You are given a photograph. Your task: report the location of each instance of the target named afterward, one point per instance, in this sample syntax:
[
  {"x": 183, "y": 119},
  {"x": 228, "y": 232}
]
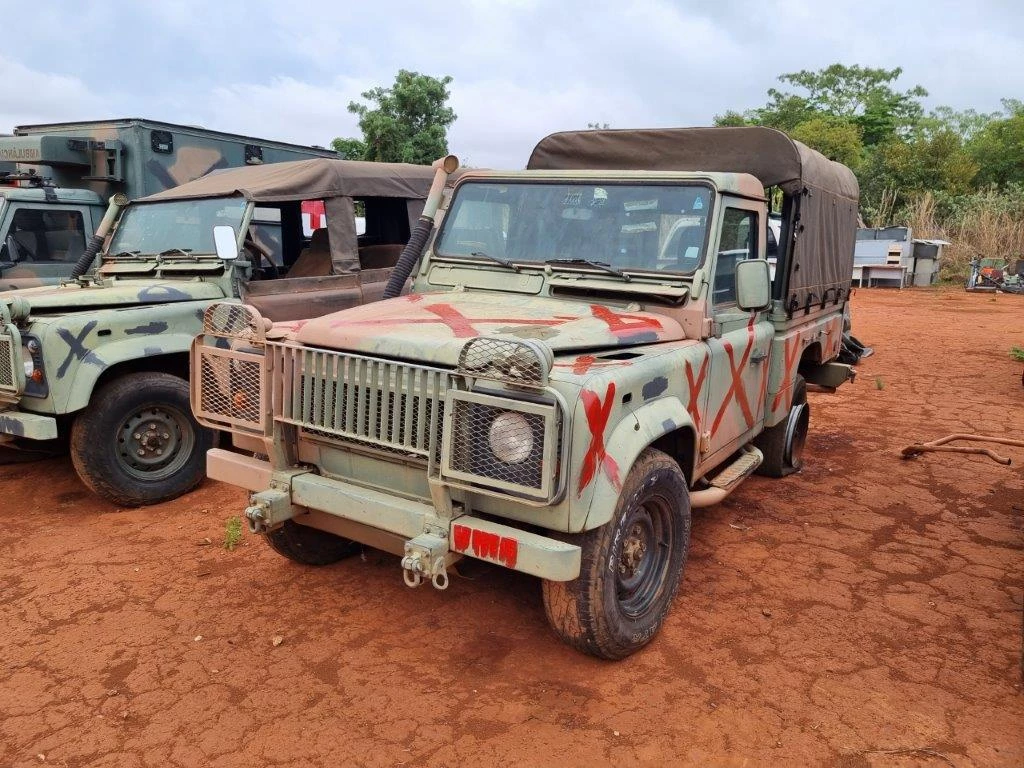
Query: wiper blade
[
  {"x": 601, "y": 265},
  {"x": 497, "y": 260},
  {"x": 120, "y": 254},
  {"x": 182, "y": 251}
]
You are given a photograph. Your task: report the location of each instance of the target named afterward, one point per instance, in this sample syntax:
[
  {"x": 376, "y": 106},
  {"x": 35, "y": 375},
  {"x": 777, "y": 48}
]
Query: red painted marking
[
  {"x": 460, "y": 325},
  {"x": 461, "y": 536},
  {"x": 316, "y": 210},
  {"x": 596, "y": 456},
  {"x": 693, "y": 407},
  {"x": 624, "y": 325},
  {"x": 508, "y": 551},
  {"x": 790, "y": 361},
  {"x": 737, "y": 391},
  {"x": 583, "y": 364},
  {"x": 486, "y": 545},
  {"x": 414, "y": 297}
]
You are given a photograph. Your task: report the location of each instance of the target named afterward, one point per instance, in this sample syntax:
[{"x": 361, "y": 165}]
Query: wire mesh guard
[
  {"x": 497, "y": 444},
  {"x": 230, "y": 388},
  {"x": 507, "y": 360},
  {"x": 7, "y": 378},
  {"x": 234, "y": 320}
]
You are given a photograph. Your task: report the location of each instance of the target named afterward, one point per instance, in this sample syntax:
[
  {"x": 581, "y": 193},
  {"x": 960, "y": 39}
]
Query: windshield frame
[
  {"x": 540, "y": 263},
  {"x": 207, "y": 251}
]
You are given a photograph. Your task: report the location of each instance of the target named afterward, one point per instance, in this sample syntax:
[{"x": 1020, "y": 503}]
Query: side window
[
  {"x": 737, "y": 242},
  {"x": 46, "y": 235}
]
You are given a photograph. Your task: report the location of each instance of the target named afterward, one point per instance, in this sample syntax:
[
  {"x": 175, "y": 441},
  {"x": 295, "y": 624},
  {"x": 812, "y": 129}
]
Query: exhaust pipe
[
  {"x": 117, "y": 202},
  {"x": 443, "y": 168}
]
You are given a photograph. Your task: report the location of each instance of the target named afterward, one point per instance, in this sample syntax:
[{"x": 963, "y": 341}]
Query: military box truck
[
  {"x": 592, "y": 347},
  {"x": 56, "y": 180}
]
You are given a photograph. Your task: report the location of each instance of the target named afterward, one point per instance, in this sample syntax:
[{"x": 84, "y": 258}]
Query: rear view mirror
[
  {"x": 753, "y": 284},
  {"x": 225, "y": 241}
]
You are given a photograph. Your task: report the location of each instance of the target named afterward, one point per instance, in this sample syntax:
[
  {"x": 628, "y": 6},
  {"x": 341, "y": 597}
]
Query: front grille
[
  {"x": 8, "y": 381},
  {"x": 385, "y": 404}
]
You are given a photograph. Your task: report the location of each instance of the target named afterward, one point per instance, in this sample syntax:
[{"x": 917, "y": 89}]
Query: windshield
[
  {"x": 644, "y": 227},
  {"x": 187, "y": 225}
]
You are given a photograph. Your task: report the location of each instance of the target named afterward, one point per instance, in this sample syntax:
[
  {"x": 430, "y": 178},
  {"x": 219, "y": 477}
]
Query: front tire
[
  {"x": 137, "y": 442},
  {"x": 309, "y": 546},
  {"x": 631, "y": 566}
]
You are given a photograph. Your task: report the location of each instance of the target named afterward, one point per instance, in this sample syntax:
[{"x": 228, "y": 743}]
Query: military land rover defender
[{"x": 591, "y": 348}]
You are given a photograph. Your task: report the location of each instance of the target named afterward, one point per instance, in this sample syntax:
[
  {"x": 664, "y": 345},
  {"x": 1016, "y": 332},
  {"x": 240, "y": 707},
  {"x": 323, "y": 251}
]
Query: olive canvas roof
[
  {"x": 770, "y": 155},
  {"x": 313, "y": 179}
]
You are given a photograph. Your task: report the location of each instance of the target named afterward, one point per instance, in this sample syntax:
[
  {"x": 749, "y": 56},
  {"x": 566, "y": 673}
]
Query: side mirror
[
  {"x": 225, "y": 241},
  {"x": 753, "y": 284}
]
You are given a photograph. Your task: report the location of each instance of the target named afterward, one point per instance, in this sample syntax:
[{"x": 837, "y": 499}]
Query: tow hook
[
  {"x": 425, "y": 559},
  {"x": 256, "y": 518}
]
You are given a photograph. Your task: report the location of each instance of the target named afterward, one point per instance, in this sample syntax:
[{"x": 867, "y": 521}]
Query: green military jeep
[
  {"x": 103, "y": 360},
  {"x": 592, "y": 347}
]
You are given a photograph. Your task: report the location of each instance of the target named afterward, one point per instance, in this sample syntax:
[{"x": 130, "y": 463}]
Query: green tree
[
  {"x": 834, "y": 137},
  {"x": 998, "y": 148},
  {"x": 863, "y": 96},
  {"x": 406, "y": 123}
]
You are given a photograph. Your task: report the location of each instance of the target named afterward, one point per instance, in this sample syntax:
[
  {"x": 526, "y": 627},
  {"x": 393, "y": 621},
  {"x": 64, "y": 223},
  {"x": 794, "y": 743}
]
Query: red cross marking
[
  {"x": 737, "y": 391},
  {"x": 583, "y": 364},
  {"x": 597, "y": 419},
  {"x": 460, "y": 325},
  {"x": 624, "y": 325},
  {"x": 787, "y": 370},
  {"x": 693, "y": 407}
]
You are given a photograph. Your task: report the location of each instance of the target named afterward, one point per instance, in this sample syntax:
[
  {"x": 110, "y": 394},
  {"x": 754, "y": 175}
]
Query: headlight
[
  {"x": 511, "y": 438},
  {"x": 28, "y": 361}
]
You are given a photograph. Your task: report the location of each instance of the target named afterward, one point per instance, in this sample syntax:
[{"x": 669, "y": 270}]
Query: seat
[
  {"x": 314, "y": 261},
  {"x": 379, "y": 256}
]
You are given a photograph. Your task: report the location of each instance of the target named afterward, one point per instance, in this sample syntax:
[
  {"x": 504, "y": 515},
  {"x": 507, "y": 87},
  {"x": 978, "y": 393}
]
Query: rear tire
[
  {"x": 783, "y": 444},
  {"x": 631, "y": 566},
  {"x": 138, "y": 443},
  {"x": 309, "y": 546}
]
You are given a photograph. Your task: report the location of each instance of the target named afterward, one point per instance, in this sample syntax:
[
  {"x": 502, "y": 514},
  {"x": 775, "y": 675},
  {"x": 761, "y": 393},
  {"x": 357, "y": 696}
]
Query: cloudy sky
[{"x": 521, "y": 68}]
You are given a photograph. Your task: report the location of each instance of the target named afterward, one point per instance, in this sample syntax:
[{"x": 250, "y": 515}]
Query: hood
[
  {"x": 434, "y": 327},
  {"x": 50, "y": 299}
]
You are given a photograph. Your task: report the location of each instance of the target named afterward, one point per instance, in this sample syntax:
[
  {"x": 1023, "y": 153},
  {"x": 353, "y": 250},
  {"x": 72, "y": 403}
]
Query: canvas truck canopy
[
  {"x": 820, "y": 196},
  {"x": 336, "y": 182}
]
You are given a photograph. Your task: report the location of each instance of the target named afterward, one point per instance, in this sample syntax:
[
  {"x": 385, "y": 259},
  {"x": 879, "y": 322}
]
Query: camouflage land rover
[
  {"x": 103, "y": 360},
  {"x": 589, "y": 351}
]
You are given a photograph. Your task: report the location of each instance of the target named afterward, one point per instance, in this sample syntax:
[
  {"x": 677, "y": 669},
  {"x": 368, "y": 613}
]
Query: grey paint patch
[
  {"x": 643, "y": 337},
  {"x": 654, "y": 387},
  {"x": 9, "y": 426},
  {"x": 161, "y": 293},
  {"x": 153, "y": 351},
  {"x": 668, "y": 425},
  {"x": 157, "y": 326}
]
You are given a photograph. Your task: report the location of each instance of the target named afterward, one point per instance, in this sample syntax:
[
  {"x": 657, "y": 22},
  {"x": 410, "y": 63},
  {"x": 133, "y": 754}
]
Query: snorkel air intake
[
  {"x": 117, "y": 202},
  {"x": 414, "y": 248}
]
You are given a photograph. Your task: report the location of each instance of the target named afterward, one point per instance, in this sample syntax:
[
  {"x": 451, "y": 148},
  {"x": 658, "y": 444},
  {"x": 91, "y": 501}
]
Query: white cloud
[{"x": 31, "y": 96}]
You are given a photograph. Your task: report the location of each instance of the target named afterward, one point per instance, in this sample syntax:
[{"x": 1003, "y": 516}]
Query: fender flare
[
  {"x": 80, "y": 389},
  {"x": 635, "y": 432}
]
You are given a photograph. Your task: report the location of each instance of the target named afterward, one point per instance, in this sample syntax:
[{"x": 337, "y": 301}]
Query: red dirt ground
[{"x": 866, "y": 612}]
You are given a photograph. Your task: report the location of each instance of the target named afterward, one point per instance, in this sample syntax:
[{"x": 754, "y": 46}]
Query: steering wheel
[
  {"x": 271, "y": 270},
  {"x": 14, "y": 250}
]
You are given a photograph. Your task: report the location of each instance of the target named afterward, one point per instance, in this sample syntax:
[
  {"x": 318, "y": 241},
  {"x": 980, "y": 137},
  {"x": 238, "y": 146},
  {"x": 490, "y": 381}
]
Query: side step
[
  {"x": 747, "y": 462},
  {"x": 726, "y": 481}
]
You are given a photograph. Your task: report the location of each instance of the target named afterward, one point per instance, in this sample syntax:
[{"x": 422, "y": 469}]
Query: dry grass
[{"x": 985, "y": 230}]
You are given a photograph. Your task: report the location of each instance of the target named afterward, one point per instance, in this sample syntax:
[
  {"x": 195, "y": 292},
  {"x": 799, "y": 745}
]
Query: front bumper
[
  {"x": 284, "y": 495},
  {"x": 28, "y": 425}
]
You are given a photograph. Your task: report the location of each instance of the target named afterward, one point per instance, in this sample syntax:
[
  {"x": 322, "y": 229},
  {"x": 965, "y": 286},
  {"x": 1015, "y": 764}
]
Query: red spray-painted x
[
  {"x": 736, "y": 390},
  {"x": 597, "y": 419},
  {"x": 693, "y": 406}
]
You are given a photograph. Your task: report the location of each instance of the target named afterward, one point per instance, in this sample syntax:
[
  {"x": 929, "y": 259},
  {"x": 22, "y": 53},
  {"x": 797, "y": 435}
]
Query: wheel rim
[
  {"x": 154, "y": 442},
  {"x": 796, "y": 435},
  {"x": 644, "y": 557}
]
